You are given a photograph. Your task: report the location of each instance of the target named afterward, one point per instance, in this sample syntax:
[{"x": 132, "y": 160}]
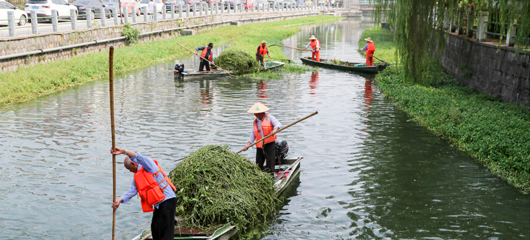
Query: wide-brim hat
[
  {"x": 258, "y": 108},
  {"x": 368, "y": 40},
  {"x": 312, "y": 37}
]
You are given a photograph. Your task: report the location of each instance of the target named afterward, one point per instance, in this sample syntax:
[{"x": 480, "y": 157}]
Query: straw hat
[
  {"x": 312, "y": 37},
  {"x": 258, "y": 108},
  {"x": 368, "y": 40}
]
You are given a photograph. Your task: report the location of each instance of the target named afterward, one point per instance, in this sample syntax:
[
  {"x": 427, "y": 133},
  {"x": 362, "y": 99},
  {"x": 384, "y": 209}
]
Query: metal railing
[
  {"x": 117, "y": 17},
  {"x": 480, "y": 31}
]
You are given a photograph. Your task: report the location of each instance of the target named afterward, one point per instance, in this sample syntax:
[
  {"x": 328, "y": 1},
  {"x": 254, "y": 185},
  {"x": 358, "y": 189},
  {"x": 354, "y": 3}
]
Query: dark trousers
[
  {"x": 259, "y": 58},
  {"x": 163, "y": 223},
  {"x": 268, "y": 153},
  {"x": 203, "y": 64}
]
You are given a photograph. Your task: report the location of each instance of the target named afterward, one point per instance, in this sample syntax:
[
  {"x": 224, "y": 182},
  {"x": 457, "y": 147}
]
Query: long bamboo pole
[
  {"x": 282, "y": 59},
  {"x": 206, "y": 60},
  {"x": 301, "y": 49},
  {"x": 111, "y": 89},
  {"x": 281, "y": 129},
  {"x": 382, "y": 60}
]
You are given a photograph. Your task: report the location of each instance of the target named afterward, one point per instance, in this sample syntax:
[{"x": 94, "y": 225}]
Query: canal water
[{"x": 368, "y": 170}]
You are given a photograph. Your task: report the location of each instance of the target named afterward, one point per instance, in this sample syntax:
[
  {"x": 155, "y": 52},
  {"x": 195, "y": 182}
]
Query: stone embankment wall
[
  {"x": 56, "y": 46},
  {"x": 496, "y": 71}
]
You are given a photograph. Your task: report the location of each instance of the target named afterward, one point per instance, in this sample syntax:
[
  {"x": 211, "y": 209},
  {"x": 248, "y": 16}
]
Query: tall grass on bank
[
  {"x": 495, "y": 133},
  {"x": 33, "y": 81}
]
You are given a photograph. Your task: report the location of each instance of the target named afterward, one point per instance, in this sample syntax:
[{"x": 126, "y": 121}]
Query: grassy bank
[
  {"x": 34, "y": 81},
  {"x": 495, "y": 133}
]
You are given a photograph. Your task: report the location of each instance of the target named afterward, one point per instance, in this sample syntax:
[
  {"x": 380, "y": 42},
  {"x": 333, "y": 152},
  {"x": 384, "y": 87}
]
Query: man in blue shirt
[
  {"x": 206, "y": 56},
  {"x": 163, "y": 222}
]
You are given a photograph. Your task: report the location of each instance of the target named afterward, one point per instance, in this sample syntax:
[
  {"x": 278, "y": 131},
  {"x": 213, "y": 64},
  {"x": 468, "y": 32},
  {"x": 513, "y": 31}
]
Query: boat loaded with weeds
[
  {"x": 217, "y": 186},
  {"x": 493, "y": 132}
]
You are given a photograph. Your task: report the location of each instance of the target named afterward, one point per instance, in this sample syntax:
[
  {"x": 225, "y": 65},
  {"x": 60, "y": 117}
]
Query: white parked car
[
  {"x": 19, "y": 15},
  {"x": 160, "y": 6},
  {"x": 43, "y": 8}
]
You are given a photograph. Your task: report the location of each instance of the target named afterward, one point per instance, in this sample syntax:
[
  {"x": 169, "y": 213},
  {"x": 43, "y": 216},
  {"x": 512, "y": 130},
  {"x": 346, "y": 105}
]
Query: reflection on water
[
  {"x": 262, "y": 89},
  {"x": 313, "y": 83},
  {"x": 368, "y": 170}
]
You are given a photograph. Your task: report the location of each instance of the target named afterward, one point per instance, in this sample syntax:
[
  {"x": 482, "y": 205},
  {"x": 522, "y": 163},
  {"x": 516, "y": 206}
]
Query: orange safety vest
[
  {"x": 262, "y": 50},
  {"x": 371, "y": 48},
  {"x": 149, "y": 189},
  {"x": 205, "y": 51},
  {"x": 267, "y": 129},
  {"x": 314, "y": 44}
]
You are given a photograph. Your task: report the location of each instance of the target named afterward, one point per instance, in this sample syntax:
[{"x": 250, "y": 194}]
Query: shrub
[{"x": 131, "y": 34}]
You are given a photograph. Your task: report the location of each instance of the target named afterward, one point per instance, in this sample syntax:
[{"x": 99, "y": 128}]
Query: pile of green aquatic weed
[
  {"x": 217, "y": 186},
  {"x": 237, "y": 61}
]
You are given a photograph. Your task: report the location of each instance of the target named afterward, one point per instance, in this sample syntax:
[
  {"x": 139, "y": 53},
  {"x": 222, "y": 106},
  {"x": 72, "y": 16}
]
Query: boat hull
[
  {"x": 349, "y": 67},
  {"x": 213, "y": 73}
]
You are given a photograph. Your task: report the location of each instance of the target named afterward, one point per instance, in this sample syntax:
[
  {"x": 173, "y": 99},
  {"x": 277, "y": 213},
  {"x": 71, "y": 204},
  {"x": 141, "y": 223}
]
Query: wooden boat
[
  {"x": 346, "y": 66},
  {"x": 218, "y": 73},
  {"x": 286, "y": 172}
]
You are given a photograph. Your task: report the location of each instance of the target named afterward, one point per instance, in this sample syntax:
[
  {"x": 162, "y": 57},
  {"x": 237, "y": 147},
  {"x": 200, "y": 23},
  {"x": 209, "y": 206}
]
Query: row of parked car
[{"x": 43, "y": 8}]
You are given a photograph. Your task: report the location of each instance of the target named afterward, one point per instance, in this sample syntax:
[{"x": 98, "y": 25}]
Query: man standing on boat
[
  {"x": 264, "y": 124},
  {"x": 315, "y": 48},
  {"x": 260, "y": 53},
  {"x": 205, "y": 54},
  {"x": 156, "y": 191},
  {"x": 369, "y": 49}
]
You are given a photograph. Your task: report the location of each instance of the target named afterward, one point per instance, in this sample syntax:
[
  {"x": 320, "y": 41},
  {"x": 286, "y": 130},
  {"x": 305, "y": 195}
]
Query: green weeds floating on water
[
  {"x": 493, "y": 132},
  {"x": 295, "y": 68},
  {"x": 217, "y": 186},
  {"x": 275, "y": 74},
  {"x": 264, "y": 75}
]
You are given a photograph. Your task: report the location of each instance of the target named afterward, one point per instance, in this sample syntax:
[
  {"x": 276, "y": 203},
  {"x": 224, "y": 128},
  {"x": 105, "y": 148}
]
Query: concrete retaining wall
[
  {"x": 49, "y": 47},
  {"x": 496, "y": 71}
]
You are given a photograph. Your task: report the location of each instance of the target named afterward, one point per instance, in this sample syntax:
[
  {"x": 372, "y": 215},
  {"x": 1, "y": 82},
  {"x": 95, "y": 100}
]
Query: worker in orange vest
[
  {"x": 315, "y": 48},
  {"x": 156, "y": 191},
  {"x": 369, "y": 49},
  {"x": 260, "y": 53},
  {"x": 264, "y": 124},
  {"x": 205, "y": 54}
]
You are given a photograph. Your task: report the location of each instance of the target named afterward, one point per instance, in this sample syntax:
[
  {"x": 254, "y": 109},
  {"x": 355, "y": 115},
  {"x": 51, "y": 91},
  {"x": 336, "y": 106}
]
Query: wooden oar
[
  {"x": 281, "y": 129},
  {"x": 301, "y": 49},
  {"x": 281, "y": 59},
  {"x": 382, "y": 60},
  {"x": 206, "y": 60},
  {"x": 146, "y": 237},
  {"x": 111, "y": 89}
]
